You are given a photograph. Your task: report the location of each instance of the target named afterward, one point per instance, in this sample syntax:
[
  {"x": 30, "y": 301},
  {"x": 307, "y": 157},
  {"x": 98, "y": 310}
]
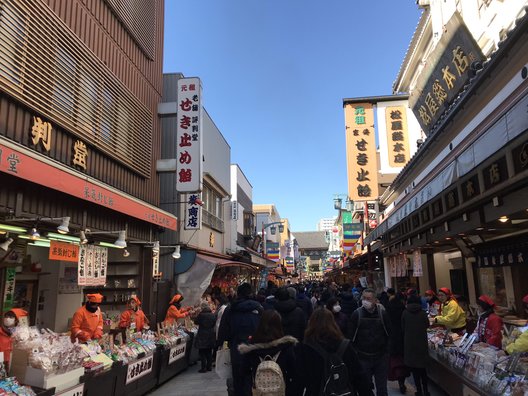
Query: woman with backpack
[
  {"x": 269, "y": 359},
  {"x": 328, "y": 363}
]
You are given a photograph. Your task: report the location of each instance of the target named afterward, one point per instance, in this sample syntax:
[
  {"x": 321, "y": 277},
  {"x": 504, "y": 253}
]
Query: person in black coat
[
  {"x": 340, "y": 318},
  {"x": 415, "y": 349},
  {"x": 323, "y": 331},
  {"x": 397, "y": 369},
  {"x": 293, "y": 318},
  {"x": 304, "y": 302},
  {"x": 348, "y": 301},
  {"x": 205, "y": 337},
  {"x": 269, "y": 340}
]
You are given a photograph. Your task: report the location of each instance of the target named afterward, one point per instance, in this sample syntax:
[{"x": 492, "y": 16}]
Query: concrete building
[{"x": 326, "y": 224}]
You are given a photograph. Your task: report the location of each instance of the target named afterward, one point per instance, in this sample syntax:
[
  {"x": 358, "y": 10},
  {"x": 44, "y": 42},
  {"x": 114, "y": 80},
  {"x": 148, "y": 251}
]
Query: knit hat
[
  {"x": 95, "y": 298},
  {"x": 486, "y": 300}
]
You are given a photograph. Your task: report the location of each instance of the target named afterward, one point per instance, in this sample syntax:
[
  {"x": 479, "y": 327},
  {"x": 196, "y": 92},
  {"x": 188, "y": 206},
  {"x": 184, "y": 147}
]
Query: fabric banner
[
  {"x": 392, "y": 265},
  {"x": 273, "y": 251},
  {"x": 417, "y": 263},
  {"x": 193, "y": 283}
]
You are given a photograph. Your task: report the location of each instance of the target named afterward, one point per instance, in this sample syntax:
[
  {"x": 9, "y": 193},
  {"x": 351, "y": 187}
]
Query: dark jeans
[
  {"x": 420, "y": 380},
  {"x": 206, "y": 356},
  {"x": 379, "y": 368}
]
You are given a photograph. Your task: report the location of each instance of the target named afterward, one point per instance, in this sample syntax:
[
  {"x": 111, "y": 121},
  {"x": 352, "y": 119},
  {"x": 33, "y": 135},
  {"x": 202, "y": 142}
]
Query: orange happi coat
[
  {"x": 86, "y": 325},
  {"x": 174, "y": 313},
  {"x": 6, "y": 344},
  {"x": 129, "y": 316}
]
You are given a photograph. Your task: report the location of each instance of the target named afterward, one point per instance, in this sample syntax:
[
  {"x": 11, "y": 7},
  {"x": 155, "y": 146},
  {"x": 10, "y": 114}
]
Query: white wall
[
  {"x": 442, "y": 266},
  {"x": 217, "y": 154}
]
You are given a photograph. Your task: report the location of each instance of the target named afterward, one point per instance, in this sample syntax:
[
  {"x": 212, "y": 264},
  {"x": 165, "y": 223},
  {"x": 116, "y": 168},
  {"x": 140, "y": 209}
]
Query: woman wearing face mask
[
  {"x": 453, "y": 317},
  {"x": 176, "y": 311},
  {"x": 134, "y": 317},
  {"x": 489, "y": 325},
  {"x": 340, "y": 318},
  {"x": 87, "y": 322},
  {"x": 11, "y": 320},
  {"x": 521, "y": 343}
]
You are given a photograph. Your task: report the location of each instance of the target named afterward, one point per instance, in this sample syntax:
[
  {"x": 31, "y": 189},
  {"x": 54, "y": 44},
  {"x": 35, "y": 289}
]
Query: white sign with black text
[
  {"x": 75, "y": 391},
  {"x": 177, "y": 353},
  {"x": 138, "y": 369}
]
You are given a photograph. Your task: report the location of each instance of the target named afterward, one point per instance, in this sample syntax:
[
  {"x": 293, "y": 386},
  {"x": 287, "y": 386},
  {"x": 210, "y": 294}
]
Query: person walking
[
  {"x": 293, "y": 319},
  {"x": 340, "y": 318},
  {"x": 239, "y": 322},
  {"x": 270, "y": 343},
  {"x": 323, "y": 337},
  {"x": 304, "y": 302},
  {"x": 369, "y": 329},
  {"x": 205, "y": 337},
  {"x": 398, "y": 371},
  {"x": 414, "y": 324},
  {"x": 347, "y": 301},
  {"x": 453, "y": 316}
]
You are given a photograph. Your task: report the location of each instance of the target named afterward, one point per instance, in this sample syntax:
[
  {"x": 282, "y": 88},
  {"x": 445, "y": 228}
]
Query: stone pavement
[{"x": 192, "y": 383}]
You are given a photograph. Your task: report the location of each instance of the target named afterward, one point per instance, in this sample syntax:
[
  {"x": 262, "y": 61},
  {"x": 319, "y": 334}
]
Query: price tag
[
  {"x": 75, "y": 391},
  {"x": 138, "y": 369},
  {"x": 177, "y": 352}
]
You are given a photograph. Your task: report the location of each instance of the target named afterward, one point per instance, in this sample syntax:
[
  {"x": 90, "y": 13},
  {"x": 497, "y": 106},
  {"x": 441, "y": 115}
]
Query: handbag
[{"x": 223, "y": 364}]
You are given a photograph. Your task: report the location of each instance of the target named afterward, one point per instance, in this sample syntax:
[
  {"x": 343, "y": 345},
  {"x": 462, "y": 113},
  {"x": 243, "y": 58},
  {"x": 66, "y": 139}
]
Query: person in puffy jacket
[
  {"x": 10, "y": 321},
  {"x": 489, "y": 325},
  {"x": 269, "y": 340},
  {"x": 293, "y": 318},
  {"x": 347, "y": 300},
  {"x": 87, "y": 322},
  {"x": 521, "y": 343},
  {"x": 134, "y": 317},
  {"x": 453, "y": 316},
  {"x": 205, "y": 337},
  {"x": 176, "y": 311}
]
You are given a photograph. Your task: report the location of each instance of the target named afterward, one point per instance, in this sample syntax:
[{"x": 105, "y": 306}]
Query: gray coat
[
  {"x": 206, "y": 336},
  {"x": 414, "y": 325}
]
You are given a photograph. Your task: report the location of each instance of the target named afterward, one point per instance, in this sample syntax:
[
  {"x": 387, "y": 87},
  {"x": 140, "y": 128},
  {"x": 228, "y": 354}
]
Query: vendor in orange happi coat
[
  {"x": 134, "y": 317},
  {"x": 175, "y": 310},
  {"x": 11, "y": 320},
  {"x": 87, "y": 323}
]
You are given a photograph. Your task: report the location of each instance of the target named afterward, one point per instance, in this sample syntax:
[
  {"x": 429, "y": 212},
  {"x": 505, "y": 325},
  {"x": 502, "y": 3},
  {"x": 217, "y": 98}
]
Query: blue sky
[{"x": 274, "y": 74}]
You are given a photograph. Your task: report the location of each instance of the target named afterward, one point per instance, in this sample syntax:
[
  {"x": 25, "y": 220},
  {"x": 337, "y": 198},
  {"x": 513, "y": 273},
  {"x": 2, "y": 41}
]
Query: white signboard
[
  {"x": 75, "y": 391},
  {"x": 193, "y": 212},
  {"x": 139, "y": 369},
  {"x": 177, "y": 353},
  {"x": 92, "y": 264},
  {"x": 234, "y": 210},
  {"x": 417, "y": 263},
  {"x": 189, "y": 146}
]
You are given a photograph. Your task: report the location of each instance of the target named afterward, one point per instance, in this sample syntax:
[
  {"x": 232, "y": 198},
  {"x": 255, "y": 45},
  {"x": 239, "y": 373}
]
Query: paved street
[{"x": 193, "y": 383}]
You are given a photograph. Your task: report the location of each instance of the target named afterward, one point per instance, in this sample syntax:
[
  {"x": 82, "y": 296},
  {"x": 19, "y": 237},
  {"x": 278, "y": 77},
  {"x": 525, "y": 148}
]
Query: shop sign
[
  {"x": 520, "y": 157},
  {"x": 234, "y": 210},
  {"x": 496, "y": 173},
  {"x": 361, "y": 152},
  {"x": 80, "y": 153},
  {"x": 75, "y": 391},
  {"x": 470, "y": 188},
  {"x": 417, "y": 263},
  {"x": 189, "y": 136},
  {"x": 177, "y": 353},
  {"x": 63, "y": 251},
  {"x": 139, "y": 369},
  {"x": 397, "y": 136},
  {"x": 502, "y": 256},
  {"x": 155, "y": 266},
  {"x": 41, "y": 132},
  {"x": 193, "y": 212},
  {"x": 92, "y": 265},
  {"x": 14, "y": 163},
  {"x": 446, "y": 73},
  {"x": 9, "y": 291}
]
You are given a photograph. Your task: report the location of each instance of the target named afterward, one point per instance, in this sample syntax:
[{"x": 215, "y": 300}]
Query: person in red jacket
[
  {"x": 87, "y": 323},
  {"x": 134, "y": 317},
  {"x": 176, "y": 311},
  {"x": 11, "y": 320},
  {"x": 489, "y": 325}
]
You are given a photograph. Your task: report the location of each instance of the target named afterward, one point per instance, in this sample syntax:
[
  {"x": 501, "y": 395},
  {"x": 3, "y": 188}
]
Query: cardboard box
[
  {"x": 19, "y": 364},
  {"x": 37, "y": 377}
]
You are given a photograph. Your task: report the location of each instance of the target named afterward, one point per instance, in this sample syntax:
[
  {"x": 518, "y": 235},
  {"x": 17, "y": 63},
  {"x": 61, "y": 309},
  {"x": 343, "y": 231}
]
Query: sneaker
[{"x": 202, "y": 371}]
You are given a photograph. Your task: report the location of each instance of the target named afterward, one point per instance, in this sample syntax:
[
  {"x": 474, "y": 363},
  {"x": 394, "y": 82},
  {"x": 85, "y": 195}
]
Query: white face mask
[
  {"x": 9, "y": 322},
  {"x": 336, "y": 308},
  {"x": 367, "y": 304}
]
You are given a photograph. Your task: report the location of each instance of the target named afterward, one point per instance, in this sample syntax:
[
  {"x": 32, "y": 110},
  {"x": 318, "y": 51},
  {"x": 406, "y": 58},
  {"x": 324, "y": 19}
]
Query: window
[
  {"x": 13, "y": 44},
  {"x": 492, "y": 283},
  {"x": 212, "y": 209},
  {"x": 63, "y": 88},
  {"x": 249, "y": 224},
  {"x": 87, "y": 117},
  {"x": 107, "y": 118}
]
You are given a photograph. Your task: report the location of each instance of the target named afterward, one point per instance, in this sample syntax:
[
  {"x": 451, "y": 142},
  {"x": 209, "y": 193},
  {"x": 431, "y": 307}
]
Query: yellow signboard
[
  {"x": 397, "y": 136},
  {"x": 362, "y": 162}
]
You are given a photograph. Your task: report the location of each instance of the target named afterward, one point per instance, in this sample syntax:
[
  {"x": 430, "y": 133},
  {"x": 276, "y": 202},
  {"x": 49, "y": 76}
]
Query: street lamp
[
  {"x": 273, "y": 231},
  {"x": 338, "y": 201}
]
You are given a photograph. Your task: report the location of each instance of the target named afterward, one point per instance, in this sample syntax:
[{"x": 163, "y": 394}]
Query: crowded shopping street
[{"x": 263, "y": 197}]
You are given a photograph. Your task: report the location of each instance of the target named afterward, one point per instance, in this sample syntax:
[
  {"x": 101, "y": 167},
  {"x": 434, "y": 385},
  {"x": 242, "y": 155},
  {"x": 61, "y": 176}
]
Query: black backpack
[{"x": 335, "y": 381}]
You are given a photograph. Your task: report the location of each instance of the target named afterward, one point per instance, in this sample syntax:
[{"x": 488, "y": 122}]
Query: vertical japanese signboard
[
  {"x": 362, "y": 161},
  {"x": 9, "y": 291},
  {"x": 193, "y": 212},
  {"x": 92, "y": 265},
  {"x": 189, "y": 136},
  {"x": 447, "y": 70},
  {"x": 397, "y": 136}
]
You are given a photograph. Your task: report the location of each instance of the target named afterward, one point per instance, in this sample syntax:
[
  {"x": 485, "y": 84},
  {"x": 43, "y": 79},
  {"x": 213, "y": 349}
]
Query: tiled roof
[{"x": 311, "y": 240}]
